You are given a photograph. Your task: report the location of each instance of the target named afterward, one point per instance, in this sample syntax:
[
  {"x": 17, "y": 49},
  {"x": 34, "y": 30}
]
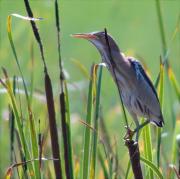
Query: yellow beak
[{"x": 84, "y": 36}]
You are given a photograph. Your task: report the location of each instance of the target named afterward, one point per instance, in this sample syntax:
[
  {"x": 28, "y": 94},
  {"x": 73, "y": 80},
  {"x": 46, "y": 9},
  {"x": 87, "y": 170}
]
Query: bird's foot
[{"x": 129, "y": 133}]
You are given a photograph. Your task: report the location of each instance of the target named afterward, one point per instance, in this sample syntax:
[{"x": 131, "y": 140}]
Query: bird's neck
[
  {"x": 119, "y": 67},
  {"x": 115, "y": 59}
]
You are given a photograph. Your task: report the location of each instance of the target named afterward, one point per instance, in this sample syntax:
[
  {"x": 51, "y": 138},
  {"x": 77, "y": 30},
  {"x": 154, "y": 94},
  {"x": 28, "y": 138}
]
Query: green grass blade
[
  {"x": 161, "y": 27},
  {"x": 67, "y": 134},
  {"x": 145, "y": 146},
  {"x": 8, "y": 87},
  {"x": 174, "y": 82},
  {"x": 175, "y": 85},
  {"x": 174, "y": 147},
  {"x": 148, "y": 147},
  {"x": 102, "y": 163},
  {"x": 157, "y": 81},
  {"x": 64, "y": 103},
  {"x": 128, "y": 169},
  {"x": 96, "y": 124},
  {"x": 87, "y": 140},
  {"x": 161, "y": 89},
  {"x": 31, "y": 73},
  {"x": 153, "y": 167},
  {"x": 11, "y": 123},
  {"x": 9, "y": 31},
  {"x": 31, "y": 120},
  {"x": 69, "y": 131},
  {"x": 144, "y": 140},
  {"x": 81, "y": 67}
]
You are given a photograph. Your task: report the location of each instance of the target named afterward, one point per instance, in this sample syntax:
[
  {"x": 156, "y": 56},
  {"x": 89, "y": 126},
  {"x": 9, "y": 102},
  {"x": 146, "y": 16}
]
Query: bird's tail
[{"x": 158, "y": 121}]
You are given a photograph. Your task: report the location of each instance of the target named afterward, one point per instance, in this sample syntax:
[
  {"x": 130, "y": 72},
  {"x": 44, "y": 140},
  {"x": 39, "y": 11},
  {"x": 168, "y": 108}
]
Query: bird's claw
[
  {"x": 129, "y": 133},
  {"x": 135, "y": 143}
]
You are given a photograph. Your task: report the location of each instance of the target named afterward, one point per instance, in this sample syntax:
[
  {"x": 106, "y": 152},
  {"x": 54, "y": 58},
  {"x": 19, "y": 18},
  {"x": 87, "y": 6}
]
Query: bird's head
[{"x": 100, "y": 42}]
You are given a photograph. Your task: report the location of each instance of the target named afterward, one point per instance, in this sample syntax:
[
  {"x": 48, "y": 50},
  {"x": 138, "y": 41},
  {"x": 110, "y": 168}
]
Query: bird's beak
[{"x": 84, "y": 36}]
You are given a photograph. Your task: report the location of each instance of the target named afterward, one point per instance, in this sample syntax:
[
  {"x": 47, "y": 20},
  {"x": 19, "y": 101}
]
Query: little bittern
[{"x": 137, "y": 91}]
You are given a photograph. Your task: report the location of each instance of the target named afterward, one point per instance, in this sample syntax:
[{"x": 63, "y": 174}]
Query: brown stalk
[
  {"x": 49, "y": 98},
  {"x": 62, "y": 98},
  {"x": 35, "y": 31},
  {"x": 53, "y": 127},
  {"x": 134, "y": 154}
]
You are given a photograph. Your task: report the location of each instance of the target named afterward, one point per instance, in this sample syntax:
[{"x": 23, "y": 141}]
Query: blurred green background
[{"x": 133, "y": 24}]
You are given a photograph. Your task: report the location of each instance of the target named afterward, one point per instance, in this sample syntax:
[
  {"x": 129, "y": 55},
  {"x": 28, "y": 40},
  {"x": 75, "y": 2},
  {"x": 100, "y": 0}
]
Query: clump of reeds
[{"x": 31, "y": 148}]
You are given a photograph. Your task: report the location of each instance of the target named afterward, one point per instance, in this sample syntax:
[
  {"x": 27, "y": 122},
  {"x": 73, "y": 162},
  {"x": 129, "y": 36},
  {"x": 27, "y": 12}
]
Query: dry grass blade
[
  {"x": 15, "y": 165},
  {"x": 26, "y": 18},
  {"x": 87, "y": 125},
  {"x": 175, "y": 171},
  {"x": 81, "y": 68}
]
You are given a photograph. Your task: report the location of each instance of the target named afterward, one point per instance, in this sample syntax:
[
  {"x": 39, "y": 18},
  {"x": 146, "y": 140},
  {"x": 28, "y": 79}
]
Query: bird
[{"x": 136, "y": 89}]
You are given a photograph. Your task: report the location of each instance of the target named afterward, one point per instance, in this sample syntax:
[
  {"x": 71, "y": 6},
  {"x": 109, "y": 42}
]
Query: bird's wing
[{"x": 146, "y": 92}]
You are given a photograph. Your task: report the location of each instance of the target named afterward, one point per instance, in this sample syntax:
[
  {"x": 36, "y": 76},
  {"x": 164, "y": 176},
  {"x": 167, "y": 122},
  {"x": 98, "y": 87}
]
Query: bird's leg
[
  {"x": 134, "y": 116},
  {"x": 137, "y": 128},
  {"x": 141, "y": 126},
  {"x": 129, "y": 133}
]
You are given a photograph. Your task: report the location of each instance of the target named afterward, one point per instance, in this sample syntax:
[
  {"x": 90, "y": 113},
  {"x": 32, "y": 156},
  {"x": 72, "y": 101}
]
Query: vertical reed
[{"x": 49, "y": 98}]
